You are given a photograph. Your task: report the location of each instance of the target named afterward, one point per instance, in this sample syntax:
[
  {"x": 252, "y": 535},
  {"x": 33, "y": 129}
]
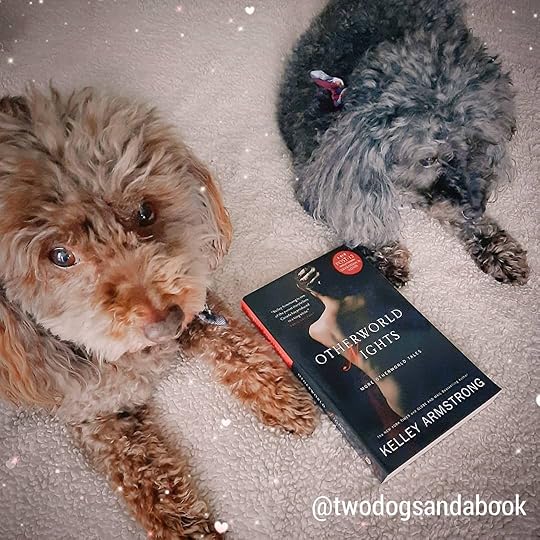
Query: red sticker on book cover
[{"x": 347, "y": 262}]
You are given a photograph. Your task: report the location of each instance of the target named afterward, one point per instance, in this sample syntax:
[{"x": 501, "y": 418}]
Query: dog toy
[{"x": 334, "y": 85}]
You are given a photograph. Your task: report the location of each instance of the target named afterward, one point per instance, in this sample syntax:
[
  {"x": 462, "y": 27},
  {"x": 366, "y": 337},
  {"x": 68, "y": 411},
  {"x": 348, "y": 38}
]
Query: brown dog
[{"x": 110, "y": 228}]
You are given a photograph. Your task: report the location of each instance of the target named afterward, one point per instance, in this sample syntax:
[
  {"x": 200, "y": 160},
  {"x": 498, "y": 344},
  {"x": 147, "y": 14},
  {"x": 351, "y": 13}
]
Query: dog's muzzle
[{"x": 166, "y": 328}]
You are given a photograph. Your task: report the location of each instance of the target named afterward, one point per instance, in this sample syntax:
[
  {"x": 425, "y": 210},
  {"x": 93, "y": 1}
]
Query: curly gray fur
[{"x": 427, "y": 114}]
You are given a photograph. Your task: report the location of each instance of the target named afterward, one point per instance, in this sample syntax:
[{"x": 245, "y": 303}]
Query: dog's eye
[
  {"x": 428, "y": 162},
  {"x": 145, "y": 215},
  {"x": 62, "y": 257}
]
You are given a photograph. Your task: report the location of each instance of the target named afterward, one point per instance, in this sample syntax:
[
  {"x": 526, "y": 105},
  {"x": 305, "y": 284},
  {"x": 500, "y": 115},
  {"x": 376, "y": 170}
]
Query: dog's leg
[
  {"x": 392, "y": 260},
  {"x": 247, "y": 364},
  {"x": 493, "y": 250},
  {"x": 153, "y": 478},
  {"x": 15, "y": 106}
]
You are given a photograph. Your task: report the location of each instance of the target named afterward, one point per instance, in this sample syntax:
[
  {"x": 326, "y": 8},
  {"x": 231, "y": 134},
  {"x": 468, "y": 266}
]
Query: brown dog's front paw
[
  {"x": 169, "y": 521},
  {"x": 280, "y": 400},
  {"x": 208, "y": 532},
  {"x": 291, "y": 409},
  {"x": 246, "y": 363},
  {"x": 501, "y": 257}
]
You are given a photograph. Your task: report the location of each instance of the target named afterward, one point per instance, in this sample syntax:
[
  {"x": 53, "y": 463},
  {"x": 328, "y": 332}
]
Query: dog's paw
[
  {"x": 170, "y": 527},
  {"x": 393, "y": 262},
  {"x": 287, "y": 405},
  {"x": 297, "y": 419},
  {"x": 501, "y": 257},
  {"x": 206, "y": 535},
  {"x": 170, "y": 534}
]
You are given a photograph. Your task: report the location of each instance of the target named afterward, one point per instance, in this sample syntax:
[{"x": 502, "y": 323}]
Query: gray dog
[{"x": 425, "y": 119}]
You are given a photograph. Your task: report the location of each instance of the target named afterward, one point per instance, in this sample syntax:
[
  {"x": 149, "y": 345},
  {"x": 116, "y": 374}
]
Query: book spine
[
  {"x": 320, "y": 397},
  {"x": 264, "y": 331}
]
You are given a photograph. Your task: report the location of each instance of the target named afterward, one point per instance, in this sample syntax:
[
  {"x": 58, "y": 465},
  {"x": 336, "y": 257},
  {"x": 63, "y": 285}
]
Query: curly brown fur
[
  {"x": 15, "y": 106},
  {"x": 152, "y": 476},
  {"x": 242, "y": 363},
  {"x": 110, "y": 231}
]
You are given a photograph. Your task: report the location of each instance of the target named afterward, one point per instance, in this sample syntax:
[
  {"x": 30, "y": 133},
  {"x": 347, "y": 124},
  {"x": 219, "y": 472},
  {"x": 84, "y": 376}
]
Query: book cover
[{"x": 389, "y": 380}]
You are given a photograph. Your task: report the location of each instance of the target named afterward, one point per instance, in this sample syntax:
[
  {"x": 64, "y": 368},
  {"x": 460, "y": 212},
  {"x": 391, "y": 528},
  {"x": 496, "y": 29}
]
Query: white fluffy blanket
[{"x": 214, "y": 69}]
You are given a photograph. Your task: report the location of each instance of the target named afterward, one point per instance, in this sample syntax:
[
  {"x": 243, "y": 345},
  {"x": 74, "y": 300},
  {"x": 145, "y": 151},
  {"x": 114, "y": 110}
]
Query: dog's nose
[{"x": 166, "y": 328}]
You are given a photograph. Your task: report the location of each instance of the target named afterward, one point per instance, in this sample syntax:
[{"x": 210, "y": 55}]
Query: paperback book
[{"x": 388, "y": 379}]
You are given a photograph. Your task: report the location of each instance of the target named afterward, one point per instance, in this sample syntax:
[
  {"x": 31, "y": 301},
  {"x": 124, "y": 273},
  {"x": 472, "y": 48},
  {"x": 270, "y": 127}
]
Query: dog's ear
[
  {"x": 346, "y": 184},
  {"x": 26, "y": 357},
  {"x": 215, "y": 215},
  {"x": 16, "y": 107}
]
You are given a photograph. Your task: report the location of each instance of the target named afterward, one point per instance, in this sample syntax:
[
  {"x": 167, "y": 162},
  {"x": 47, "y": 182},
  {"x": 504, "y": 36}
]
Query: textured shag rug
[{"x": 214, "y": 69}]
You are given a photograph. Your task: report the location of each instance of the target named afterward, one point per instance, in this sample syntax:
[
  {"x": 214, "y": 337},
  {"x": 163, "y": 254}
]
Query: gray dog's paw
[
  {"x": 501, "y": 257},
  {"x": 393, "y": 262}
]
